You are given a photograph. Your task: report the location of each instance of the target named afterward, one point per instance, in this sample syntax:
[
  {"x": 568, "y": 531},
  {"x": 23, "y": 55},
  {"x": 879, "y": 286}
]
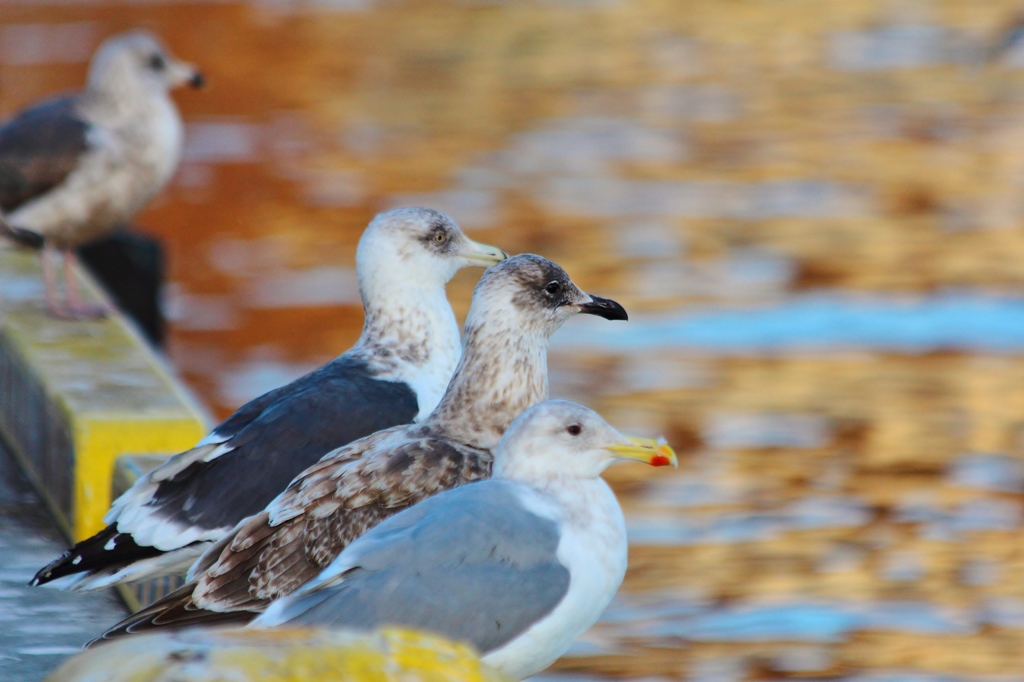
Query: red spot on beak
[{"x": 660, "y": 461}]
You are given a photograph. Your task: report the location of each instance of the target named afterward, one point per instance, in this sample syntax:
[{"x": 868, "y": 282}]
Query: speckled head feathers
[
  {"x": 534, "y": 294},
  {"x": 416, "y": 247},
  {"x": 516, "y": 307},
  {"x": 404, "y": 260}
]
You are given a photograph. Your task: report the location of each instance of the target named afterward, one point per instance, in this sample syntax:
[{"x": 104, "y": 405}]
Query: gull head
[
  {"x": 139, "y": 60},
  {"x": 532, "y": 294},
  {"x": 418, "y": 247},
  {"x": 562, "y": 439}
]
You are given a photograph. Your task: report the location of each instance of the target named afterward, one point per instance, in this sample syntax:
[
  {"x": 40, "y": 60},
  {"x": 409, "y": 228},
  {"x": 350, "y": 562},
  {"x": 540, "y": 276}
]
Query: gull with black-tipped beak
[
  {"x": 516, "y": 307},
  {"x": 395, "y": 374}
]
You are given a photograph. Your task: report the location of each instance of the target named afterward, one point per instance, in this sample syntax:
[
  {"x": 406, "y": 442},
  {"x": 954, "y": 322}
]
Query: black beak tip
[
  {"x": 197, "y": 81},
  {"x": 604, "y": 307}
]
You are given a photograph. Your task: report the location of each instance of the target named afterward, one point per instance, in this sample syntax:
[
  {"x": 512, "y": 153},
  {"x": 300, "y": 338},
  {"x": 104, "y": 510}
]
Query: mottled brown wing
[
  {"x": 326, "y": 508},
  {"x": 39, "y": 148}
]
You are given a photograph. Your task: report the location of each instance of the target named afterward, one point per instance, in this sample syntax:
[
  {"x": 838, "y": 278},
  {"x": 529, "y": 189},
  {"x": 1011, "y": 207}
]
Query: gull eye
[
  {"x": 574, "y": 429},
  {"x": 440, "y": 237},
  {"x": 553, "y": 287},
  {"x": 157, "y": 62}
]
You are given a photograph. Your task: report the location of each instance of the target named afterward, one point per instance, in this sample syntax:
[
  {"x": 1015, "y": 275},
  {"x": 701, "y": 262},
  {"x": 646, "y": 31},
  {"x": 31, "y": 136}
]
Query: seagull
[
  {"x": 519, "y": 565},
  {"x": 74, "y": 168},
  {"x": 517, "y": 305},
  {"x": 395, "y": 374}
]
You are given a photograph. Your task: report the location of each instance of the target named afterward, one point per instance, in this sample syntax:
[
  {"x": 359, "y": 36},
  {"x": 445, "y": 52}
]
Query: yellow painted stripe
[
  {"x": 216, "y": 655},
  {"x": 99, "y": 442}
]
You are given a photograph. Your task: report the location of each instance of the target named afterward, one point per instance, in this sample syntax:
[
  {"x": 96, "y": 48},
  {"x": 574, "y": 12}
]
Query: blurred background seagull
[
  {"x": 516, "y": 307},
  {"x": 395, "y": 374},
  {"x": 74, "y": 168},
  {"x": 519, "y": 565}
]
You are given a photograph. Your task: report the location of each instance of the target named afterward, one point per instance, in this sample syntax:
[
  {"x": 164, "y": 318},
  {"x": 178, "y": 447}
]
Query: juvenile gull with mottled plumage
[
  {"x": 74, "y": 168},
  {"x": 395, "y": 374},
  {"x": 516, "y": 307},
  {"x": 519, "y": 565}
]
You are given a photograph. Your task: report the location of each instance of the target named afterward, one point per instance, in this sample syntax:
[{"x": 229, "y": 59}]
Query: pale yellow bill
[
  {"x": 655, "y": 452},
  {"x": 483, "y": 254}
]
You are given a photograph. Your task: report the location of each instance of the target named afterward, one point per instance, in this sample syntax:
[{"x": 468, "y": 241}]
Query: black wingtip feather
[{"x": 92, "y": 554}]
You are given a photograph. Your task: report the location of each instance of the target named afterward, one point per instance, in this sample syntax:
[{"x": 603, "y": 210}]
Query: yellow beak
[
  {"x": 657, "y": 453},
  {"x": 483, "y": 255}
]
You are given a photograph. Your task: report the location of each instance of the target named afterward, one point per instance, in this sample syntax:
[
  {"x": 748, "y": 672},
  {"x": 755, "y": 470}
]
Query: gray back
[{"x": 471, "y": 564}]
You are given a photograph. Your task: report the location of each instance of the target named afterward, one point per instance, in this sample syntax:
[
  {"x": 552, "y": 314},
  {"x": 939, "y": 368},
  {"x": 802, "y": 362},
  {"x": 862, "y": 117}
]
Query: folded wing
[
  {"x": 473, "y": 564},
  {"x": 172, "y": 514}
]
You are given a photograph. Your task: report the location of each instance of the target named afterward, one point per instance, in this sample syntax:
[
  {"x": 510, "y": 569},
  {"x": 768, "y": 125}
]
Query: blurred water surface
[{"x": 811, "y": 209}]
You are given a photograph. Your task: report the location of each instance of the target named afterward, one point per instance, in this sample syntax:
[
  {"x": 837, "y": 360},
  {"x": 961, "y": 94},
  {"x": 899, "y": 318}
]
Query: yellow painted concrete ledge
[
  {"x": 75, "y": 395},
  {"x": 205, "y": 655}
]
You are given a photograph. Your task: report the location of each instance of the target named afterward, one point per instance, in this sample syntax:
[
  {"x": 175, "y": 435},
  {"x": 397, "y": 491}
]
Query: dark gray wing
[
  {"x": 264, "y": 445},
  {"x": 251, "y": 411},
  {"x": 39, "y": 148},
  {"x": 324, "y": 410},
  {"x": 472, "y": 564}
]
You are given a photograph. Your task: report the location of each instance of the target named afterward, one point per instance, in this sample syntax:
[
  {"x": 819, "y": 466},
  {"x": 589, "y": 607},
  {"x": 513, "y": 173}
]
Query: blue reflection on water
[
  {"x": 804, "y": 622},
  {"x": 969, "y": 321},
  {"x": 988, "y": 471},
  {"x": 796, "y": 621},
  {"x": 669, "y": 528}
]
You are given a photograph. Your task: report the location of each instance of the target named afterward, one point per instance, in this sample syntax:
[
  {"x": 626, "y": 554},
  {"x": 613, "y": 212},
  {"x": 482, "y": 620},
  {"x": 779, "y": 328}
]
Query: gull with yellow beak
[
  {"x": 518, "y": 565},
  {"x": 395, "y": 374}
]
